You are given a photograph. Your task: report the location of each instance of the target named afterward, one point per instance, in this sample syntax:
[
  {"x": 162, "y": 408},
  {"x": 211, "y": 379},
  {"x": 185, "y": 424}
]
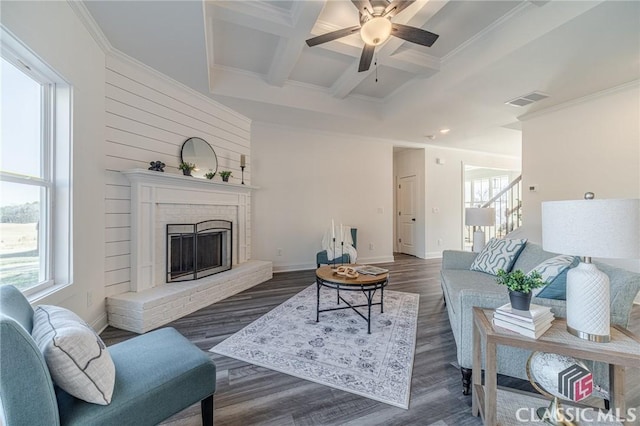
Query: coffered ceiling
[{"x": 252, "y": 56}]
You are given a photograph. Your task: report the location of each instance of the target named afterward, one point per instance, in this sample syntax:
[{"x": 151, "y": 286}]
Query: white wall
[
  {"x": 305, "y": 180},
  {"x": 54, "y": 33},
  {"x": 444, "y": 193},
  {"x": 148, "y": 117},
  {"x": 592, "y": 144}
]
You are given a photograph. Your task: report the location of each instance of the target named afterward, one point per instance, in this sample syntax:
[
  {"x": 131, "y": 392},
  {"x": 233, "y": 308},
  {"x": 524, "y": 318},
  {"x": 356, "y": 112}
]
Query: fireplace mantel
[
  {"x": 174, "y": 179},
  {"x": 149, "y": 189}
]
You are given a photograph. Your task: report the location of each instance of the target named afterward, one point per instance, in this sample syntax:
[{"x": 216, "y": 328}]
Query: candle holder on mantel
[{"x": 243, "y": 164}]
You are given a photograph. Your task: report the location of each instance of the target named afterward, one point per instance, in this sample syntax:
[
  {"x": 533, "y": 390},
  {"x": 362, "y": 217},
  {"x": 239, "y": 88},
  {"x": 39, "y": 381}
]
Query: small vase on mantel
[{"x": 519, "y": 300}]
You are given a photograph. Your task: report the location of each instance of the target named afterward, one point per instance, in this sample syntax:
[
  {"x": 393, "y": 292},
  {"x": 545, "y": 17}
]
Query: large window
[{"x": 33, "y": 163}]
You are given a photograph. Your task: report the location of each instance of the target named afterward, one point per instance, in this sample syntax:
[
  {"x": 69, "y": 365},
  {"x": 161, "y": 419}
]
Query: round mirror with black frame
[{"x": 200, "y": 153}]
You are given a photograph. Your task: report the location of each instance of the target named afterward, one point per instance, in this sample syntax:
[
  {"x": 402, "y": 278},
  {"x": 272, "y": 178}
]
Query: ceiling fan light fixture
[{"x": 376, "y": 31}]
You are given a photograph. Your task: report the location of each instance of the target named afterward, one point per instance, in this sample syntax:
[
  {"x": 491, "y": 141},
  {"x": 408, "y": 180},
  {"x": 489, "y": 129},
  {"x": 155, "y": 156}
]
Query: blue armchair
[
  {"x": 322, "y": 259},
  {"x": 157, "y": 375}
]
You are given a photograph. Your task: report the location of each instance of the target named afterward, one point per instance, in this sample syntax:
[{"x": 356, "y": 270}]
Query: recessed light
[{"x": 445, "y": 131}]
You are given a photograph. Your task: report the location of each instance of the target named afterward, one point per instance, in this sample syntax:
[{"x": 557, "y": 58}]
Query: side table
[{"x": 621, "y": 352}]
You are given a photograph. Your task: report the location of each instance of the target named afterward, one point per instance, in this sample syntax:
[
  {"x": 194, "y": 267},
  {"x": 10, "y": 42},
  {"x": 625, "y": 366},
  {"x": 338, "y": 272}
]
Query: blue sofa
[
  {"x": 158, "y": 374},
  {"x": 463, "y": 289}
]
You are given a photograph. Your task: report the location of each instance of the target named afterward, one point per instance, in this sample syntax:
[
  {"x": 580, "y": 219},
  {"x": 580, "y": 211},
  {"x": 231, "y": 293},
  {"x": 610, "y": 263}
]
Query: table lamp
[
  {"x": 479, "y": 216},
  {"x": 591, "y": 228}
]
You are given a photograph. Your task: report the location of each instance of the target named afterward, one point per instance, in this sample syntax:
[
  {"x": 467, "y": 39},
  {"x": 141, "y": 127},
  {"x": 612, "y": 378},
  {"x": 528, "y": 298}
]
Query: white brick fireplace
[{"x": 158, "y": 199}]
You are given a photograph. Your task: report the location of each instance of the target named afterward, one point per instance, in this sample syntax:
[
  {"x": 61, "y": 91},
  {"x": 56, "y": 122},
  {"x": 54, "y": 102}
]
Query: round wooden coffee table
[{"x": 367, "y": 284}]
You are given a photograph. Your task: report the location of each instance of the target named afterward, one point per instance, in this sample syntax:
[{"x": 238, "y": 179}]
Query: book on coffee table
[{"x": 371, "y": 270}]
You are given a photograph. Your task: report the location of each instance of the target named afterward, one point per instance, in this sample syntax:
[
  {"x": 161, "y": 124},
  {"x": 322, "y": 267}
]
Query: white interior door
[{"x": 407, "y": 214}]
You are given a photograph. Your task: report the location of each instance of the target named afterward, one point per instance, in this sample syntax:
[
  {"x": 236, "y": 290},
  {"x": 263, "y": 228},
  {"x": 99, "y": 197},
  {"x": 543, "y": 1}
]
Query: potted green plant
[
  {"x": 225, "y": 174},
  {"x": 210, "y": 175},
  {"x": 186, "y": 168},
  {"x": 520, "y": 286}
]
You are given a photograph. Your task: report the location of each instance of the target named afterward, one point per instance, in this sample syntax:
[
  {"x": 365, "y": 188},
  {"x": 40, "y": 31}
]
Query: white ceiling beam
[
  {"x": 253, "y": 14},
  {"x": 348, "y": 81},
  {"x": 289, "y": 48}
]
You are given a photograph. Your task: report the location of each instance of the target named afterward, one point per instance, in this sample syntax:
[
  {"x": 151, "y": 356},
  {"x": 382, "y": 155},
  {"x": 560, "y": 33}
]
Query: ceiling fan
[{"x": 376, "y": 27}]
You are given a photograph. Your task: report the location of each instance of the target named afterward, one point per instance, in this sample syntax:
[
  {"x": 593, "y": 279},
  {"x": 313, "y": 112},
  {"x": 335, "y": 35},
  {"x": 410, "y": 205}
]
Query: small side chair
[
  {"x": 322, "y": 259},
  {"x": 157, "y": 375}
]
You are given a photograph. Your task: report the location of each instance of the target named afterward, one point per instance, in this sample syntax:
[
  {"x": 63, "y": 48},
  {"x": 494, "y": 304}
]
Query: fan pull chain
[{"x": 376, "y": 65}]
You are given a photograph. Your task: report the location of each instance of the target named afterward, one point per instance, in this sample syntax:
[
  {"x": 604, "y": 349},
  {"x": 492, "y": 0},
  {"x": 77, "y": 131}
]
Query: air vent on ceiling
[{"x": 527, "y": 99}]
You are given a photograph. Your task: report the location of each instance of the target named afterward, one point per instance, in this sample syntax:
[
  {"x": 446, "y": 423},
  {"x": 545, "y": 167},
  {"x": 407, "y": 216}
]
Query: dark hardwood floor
[{"x": 251, "y": 395}]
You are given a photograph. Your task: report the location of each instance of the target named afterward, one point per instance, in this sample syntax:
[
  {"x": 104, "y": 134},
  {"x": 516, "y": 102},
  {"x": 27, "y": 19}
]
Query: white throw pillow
[
  {"x": 498, "y": 254},
  {"x": 77, "y": 358},
  {"x": 551, "y": 268}
]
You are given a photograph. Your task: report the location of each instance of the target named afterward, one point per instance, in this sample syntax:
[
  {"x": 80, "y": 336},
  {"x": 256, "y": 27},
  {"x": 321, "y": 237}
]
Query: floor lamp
[
  {"x": 598, "y": 228},
  {"x": 479, "y": 216}
]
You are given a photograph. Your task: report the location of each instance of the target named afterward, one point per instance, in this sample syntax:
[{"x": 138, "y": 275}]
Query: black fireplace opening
[{"x": 198, "y": 250}]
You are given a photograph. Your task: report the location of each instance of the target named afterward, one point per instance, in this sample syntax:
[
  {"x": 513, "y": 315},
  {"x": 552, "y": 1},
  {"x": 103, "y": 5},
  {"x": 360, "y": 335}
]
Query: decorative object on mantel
[
  {"x": 520, "y": 286},
  {"x": 225, "y": 174},
  {"x": 210, "y": 175},
  {"x": 243, "y": 164},
  {"x": 198, "y": 151},
  {"x": 336, "y": 352},
  {"x": 598, "y": 228},
  {"x": 157, "y": 166},
  {"x": 186, "y": 168}
]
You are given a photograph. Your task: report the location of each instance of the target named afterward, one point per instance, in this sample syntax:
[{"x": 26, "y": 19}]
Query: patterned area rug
[{"x": 337, "y": 351}]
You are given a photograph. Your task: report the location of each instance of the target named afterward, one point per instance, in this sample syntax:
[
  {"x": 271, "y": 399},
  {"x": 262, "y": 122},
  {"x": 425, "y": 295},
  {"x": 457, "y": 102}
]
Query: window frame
[{"x": 55, "y": 166}]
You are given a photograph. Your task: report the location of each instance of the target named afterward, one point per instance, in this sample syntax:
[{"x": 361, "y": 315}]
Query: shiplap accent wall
[{"x": 148, "y": 117}]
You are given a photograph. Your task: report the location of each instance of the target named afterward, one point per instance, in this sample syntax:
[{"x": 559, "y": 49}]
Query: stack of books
[{"x": 532, "y": 323}]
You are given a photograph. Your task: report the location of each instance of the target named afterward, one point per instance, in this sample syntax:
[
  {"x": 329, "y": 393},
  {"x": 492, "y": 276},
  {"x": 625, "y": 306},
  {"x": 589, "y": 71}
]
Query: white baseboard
[
  {"x": 379, "y": 259},
  {"x": 100, "y": 323},
  {"x": 433, "y": 255},
  {"x": 290, "y": 267}
]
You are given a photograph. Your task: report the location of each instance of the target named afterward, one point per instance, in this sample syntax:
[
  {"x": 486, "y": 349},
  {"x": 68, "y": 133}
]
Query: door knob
[{"x": 414, "y": 219}]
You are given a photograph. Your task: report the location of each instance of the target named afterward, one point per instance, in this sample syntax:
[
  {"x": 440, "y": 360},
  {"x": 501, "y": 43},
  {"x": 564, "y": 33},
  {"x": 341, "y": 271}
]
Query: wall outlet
[
  {"x": 533, "y": 188},
  {"x": 380, "y": 210},
  {"x": 372, "y": 246},
  {"x": 279, "y": 252},
  {"x": 89, "y": 299},
  {"x": 435, "y": 210}
]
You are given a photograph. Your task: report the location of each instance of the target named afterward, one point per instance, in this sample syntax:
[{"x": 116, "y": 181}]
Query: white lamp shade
[
  {"x": 477, "y": 216},
  {"x": 592, "y": 228}
]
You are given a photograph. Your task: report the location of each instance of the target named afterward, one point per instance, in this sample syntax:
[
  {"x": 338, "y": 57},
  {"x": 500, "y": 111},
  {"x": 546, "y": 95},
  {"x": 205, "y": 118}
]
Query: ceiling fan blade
[
  {"x": 364, "y": 6},
  {"x": 414, "y": 35},
  {"x": 395, "y": 7},
  {"x": 332, "y": 36},
  {"x": 366, "y": 57}
]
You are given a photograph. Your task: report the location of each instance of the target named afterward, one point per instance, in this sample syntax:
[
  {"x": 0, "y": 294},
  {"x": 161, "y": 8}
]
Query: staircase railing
[{"x": 508, "y": 205}]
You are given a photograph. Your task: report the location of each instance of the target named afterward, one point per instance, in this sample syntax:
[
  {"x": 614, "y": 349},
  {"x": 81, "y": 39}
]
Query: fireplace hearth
[{"x": 198, "y": 250}]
